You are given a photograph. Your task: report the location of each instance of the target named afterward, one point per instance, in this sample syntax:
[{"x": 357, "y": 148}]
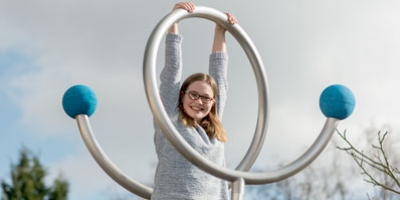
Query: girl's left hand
[
  {"x": 231, "y": 19},
  {"x": 219, "y": 35}
]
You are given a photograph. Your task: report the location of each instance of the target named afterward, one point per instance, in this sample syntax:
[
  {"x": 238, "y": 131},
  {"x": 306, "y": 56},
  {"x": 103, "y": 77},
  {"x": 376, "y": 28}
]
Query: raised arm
[
  {"x": 219, "y": 63},
  {"x": 219, "y": 44},
  {"x": 171, "y": 73}
]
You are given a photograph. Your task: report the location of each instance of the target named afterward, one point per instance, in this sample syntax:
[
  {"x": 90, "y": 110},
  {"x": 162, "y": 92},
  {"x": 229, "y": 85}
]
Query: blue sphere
[
  {"x": 79, "y": 99},
  {"x": 337, "y": 101}
]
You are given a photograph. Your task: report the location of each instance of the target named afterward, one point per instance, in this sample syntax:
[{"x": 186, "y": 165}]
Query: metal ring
[
  {"x": 163, "y": 121},
  {"x": 251, "y": 52}
]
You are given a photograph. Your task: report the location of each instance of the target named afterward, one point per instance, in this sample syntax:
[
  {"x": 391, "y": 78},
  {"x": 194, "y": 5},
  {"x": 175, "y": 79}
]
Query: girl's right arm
[{"x": 171, "y": 74}]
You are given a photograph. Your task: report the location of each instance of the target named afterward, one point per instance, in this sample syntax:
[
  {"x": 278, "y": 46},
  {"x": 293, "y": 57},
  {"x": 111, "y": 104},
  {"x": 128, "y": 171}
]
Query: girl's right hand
[{"x": 188, "y": 6}]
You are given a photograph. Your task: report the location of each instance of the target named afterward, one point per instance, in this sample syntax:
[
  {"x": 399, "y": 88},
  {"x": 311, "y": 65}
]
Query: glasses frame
[{"x": 204, "y": 99}]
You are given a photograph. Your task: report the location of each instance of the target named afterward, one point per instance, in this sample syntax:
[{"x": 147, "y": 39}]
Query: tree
[
  {"x": 333, "y": 176},
  {"x": 27, "y": 181},
  {"x": 378, "y": 168}
]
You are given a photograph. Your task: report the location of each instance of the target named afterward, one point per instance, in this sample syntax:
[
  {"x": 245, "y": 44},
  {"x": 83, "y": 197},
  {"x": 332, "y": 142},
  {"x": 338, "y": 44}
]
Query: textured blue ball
[
  {"x": 337, "y": 101},
  {"x": 79, "y": 99}
]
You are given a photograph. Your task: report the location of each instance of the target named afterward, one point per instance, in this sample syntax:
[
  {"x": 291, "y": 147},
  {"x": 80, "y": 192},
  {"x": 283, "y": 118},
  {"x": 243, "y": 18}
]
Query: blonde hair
[{"x": 210, "y": 123}]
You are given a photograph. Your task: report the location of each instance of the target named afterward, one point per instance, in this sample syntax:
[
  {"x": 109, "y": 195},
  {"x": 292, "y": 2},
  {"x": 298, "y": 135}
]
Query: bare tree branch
[{"x": 377, "y": 162}]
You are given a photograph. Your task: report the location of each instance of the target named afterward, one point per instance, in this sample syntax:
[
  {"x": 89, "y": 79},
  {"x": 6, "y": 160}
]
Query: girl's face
[{"x": 200, "y": 107}]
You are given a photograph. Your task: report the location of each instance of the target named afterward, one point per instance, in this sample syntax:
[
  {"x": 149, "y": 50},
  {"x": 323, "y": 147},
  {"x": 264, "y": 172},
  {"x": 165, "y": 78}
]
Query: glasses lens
[
  {"x": 206, "y": 99},
  {"x": 193, "y": 95}
]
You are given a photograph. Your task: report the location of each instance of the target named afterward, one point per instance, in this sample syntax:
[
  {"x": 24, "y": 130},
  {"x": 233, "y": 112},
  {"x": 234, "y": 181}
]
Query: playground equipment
[{"x": 336, "y": 102}]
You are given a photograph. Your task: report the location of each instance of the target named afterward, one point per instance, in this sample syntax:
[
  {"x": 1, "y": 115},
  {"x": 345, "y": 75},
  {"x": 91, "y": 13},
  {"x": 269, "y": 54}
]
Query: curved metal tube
[
  {"x": 105, "y": 163},
  {"x": 179, "y": 142},
  {"x": 244, "y": 40},
  {"x": 304, "y": 160},
  {"x": 250, "y": 178}
]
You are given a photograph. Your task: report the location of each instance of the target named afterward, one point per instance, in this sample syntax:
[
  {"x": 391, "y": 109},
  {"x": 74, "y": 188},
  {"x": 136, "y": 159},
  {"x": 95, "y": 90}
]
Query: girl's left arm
[{"x": 219, "y": 64}]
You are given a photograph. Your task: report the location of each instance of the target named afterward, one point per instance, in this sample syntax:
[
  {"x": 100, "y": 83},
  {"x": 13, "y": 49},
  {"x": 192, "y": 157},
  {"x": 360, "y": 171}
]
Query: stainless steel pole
[{"x": 238, "y": 189}]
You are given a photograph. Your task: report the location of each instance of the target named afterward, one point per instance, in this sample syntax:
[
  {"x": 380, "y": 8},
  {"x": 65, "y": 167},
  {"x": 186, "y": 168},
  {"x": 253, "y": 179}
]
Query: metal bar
[
  {"x": 105, "y": 163},
  {"x": 304, "y": 160},
  {"x": 238, "y": 189}
]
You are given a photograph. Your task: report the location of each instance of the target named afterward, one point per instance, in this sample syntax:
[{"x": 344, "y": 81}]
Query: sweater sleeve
[
  {"x": 218, "y": 70},
  {"x": 171, "y": 74}
]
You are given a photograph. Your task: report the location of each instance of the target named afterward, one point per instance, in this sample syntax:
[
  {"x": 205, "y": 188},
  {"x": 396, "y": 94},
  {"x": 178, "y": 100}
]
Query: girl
[{"x": 195, "y": 109}]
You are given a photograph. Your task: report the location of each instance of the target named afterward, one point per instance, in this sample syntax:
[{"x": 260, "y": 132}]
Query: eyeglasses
[{"x": 194, "y": 96}]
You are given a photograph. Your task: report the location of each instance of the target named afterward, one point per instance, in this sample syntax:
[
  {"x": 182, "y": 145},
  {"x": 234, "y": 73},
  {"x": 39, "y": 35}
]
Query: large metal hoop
[
  {"x": 244, "y": 40},
  {"x": 163, "y": 121},
  {"x": 158, "y": 110}
]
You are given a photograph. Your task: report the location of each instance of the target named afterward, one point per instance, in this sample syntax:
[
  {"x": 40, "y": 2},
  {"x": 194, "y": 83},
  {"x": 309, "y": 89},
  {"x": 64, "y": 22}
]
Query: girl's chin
[{"x": 196, "y": 116}]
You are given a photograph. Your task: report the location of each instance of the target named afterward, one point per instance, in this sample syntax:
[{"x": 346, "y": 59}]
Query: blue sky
[
  {"x": 15, "y": 63},
  {"x": 48, "y": 46}
]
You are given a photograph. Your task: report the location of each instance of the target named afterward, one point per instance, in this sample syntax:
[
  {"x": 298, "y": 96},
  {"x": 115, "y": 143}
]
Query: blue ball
[
  {"x": 79, "y": 99},
  {"x": 337, "y": 101}
]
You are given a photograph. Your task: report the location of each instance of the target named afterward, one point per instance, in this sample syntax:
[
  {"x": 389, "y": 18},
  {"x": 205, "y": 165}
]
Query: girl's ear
[{"x": 213, "y": 102}]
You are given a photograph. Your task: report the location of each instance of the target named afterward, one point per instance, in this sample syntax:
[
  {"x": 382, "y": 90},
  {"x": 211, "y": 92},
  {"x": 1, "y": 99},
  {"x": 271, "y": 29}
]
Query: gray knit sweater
[{"x": 177, "y": 178}]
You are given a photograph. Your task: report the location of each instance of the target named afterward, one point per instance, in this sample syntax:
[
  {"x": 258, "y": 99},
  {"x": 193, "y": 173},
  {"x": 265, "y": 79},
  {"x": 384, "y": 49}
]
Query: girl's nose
[{"x": 199, "y": 101}]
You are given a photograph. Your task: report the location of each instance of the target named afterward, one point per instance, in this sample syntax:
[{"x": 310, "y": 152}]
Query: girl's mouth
[{"x": 195, "y": 108}]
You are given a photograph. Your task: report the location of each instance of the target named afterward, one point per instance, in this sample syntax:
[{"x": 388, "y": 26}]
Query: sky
[{"x": 48, "y": 46}]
